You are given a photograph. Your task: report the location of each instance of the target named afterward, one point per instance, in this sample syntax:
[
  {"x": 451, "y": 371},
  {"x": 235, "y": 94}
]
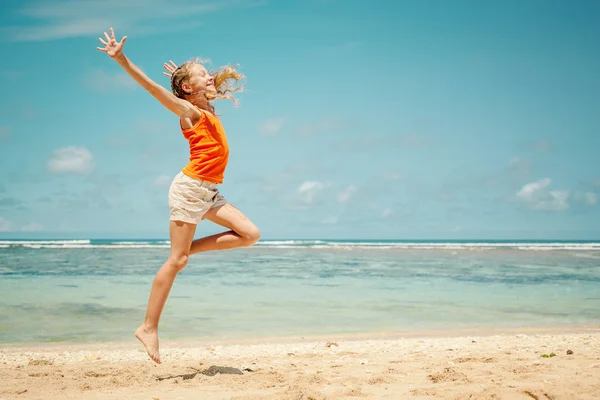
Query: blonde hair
[{"x": 226, "y": 79}]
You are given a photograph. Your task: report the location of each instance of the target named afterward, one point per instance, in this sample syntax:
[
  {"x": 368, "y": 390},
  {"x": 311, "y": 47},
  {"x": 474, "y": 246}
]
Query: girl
[{"x": 193, "y": 194}]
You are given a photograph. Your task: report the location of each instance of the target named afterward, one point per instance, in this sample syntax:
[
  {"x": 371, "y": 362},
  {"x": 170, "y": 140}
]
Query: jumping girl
[{"x": 193, "y": 194}]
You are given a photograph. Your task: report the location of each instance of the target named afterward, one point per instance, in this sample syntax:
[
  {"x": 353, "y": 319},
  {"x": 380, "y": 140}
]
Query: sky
[{"x": 360, "y": 120}]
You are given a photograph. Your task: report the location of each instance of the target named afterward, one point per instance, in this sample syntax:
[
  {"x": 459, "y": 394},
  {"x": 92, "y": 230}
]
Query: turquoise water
[{"x": 95, "y": 291}]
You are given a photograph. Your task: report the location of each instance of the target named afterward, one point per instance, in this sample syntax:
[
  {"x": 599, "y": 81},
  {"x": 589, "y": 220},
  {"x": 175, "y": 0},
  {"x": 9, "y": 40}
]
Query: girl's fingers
[
  {"x": 106, "y": 36},
  {"x": 102, "y": 41},
  {"x": 101, "y": 49}
]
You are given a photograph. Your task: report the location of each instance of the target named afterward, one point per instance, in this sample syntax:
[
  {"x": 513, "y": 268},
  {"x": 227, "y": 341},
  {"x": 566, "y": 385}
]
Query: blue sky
[{"x": 361, "y": 119}]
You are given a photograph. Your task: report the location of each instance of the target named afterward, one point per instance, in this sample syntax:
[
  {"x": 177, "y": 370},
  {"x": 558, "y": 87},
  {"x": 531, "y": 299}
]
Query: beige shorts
[{"x": 190, "y": 199}]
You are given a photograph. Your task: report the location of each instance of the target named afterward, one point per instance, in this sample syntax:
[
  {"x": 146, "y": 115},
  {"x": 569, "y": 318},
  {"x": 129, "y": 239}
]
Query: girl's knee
[
  {"x": 178, "y": 261},
  {"x": 251, "y": 235}
]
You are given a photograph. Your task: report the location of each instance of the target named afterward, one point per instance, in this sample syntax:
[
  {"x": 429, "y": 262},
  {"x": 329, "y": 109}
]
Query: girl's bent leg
[
  {"x": 181, "y": 234},
  {"x": 243, "y": 232}
]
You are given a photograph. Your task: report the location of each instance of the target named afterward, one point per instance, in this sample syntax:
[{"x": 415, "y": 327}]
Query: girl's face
[{"x": 200, "y": 80}]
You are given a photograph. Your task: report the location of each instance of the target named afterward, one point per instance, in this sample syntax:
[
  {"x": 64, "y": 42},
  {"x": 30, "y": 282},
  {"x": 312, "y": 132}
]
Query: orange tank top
[{"x": 209, "y": 151}]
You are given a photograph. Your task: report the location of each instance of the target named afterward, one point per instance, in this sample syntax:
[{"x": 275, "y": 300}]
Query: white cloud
[
  {"x": 271, "y": 126},
  {"x": 4, "y": 132},
  {"x": 529, "y": 190},
  {"x": 309, "y": 190},
  {"x": 5, "y": 226},
  {"x": 101, "y": 80},
  {"x": 72, "y": 159},
  {"x": 387, "y": 212},
  {"x": 345, "y": 195},
  {"x": 61, "y": 19},
  {"x": 537, "y": 197},
  {"x": 588, "y": 198},
  {"x": 32, "y": 227},
  {"x": 163, "y": 181},
  {"x": 515, "y": 161}
]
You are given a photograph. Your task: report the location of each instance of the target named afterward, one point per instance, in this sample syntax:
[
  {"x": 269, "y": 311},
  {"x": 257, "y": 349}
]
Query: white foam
[
  {"x": 431, "y": 245},
  {"x": 313, "y": 244},
  {"x": 43, "y": 242}
]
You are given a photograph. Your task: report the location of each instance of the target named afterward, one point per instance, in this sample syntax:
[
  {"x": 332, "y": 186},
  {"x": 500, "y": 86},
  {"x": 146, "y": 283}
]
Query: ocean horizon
[
  {"x": 566, "y": 244},
  {"x": 95, "y": 290}
]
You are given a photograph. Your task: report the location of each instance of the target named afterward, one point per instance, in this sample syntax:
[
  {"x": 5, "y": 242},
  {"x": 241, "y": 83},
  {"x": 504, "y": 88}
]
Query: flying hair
[{"x": 226, "y": 80}]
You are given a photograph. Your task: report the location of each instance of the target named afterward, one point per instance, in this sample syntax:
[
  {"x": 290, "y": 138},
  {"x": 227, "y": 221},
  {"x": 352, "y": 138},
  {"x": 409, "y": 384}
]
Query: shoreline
[{"x": 296, "y": 339}]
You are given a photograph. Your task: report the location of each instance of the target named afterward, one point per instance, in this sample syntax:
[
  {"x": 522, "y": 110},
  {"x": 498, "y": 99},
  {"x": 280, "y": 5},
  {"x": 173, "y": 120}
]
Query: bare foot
[{"x": 149, "y": 338}]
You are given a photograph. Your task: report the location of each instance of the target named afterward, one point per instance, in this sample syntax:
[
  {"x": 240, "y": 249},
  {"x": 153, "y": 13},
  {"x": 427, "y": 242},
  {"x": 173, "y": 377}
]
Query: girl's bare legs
[
  {"x": 243, "y": 232},
  {"x": 181, "y": 234}
]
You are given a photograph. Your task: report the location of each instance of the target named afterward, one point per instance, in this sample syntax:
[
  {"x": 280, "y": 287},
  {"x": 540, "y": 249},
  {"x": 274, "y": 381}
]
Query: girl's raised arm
[{"x": 114, "y": 49}]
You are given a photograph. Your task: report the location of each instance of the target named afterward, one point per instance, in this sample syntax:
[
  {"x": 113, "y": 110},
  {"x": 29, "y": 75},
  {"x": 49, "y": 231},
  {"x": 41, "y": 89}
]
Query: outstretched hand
[
  {"x": 111, "y": 46},
  {"x": 170, "y": 68}
]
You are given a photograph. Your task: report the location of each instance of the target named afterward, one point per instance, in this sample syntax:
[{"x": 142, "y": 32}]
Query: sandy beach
[{"x": 518, "y": 364}]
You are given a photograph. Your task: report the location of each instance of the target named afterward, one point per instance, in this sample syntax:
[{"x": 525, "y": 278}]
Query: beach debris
[
  {"x": 248, "y": 369},
  {"x": 214, "y": 369},
  {"x": 290, "y": 354},
  {"x": 40, "y": 362},
  {"x": 378, "y": 380},
  {"x": 537, "y": 395},
  {"x": 211, "y": 371},
  {"x": 548, "y": 355},
  {"x": 569, "y": 352},
  {"x": 363, "y": 362},
  {"x": 94, "y": 374},
  {"x": 448, "y": 375},
  {"x": 329, "y": 344},
  {"x": 21, "y": 391},
  {"x": 354, "y": 392}
]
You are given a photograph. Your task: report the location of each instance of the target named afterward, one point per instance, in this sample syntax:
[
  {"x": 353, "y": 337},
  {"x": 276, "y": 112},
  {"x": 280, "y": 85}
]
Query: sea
[{"x": 82, "y": 291}]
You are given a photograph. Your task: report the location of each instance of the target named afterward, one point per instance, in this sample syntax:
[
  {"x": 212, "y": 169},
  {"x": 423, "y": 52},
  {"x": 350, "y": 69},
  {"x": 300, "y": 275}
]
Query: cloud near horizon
[
  {"x": 537, "y": 197},
  {"x": 72, "y": 159}
]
